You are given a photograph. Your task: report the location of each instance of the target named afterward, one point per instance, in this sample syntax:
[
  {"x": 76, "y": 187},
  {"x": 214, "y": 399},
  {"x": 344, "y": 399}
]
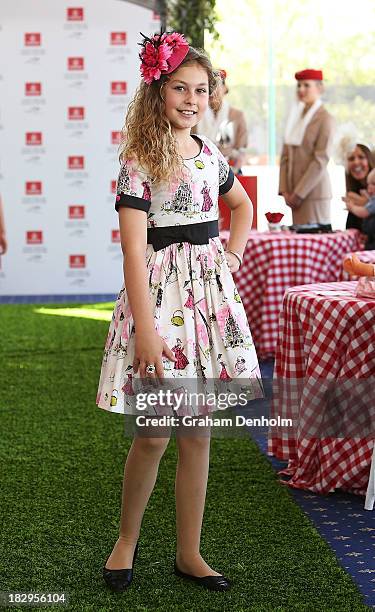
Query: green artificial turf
[{"x": 61, "y": 473}]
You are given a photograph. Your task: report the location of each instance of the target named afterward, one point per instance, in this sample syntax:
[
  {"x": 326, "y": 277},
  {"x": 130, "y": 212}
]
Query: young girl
[{"x": 178, "y": 314}]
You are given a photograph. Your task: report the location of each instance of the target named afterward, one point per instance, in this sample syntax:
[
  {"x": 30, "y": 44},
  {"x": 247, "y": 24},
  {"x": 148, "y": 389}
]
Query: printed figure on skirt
[{"x": 177, "y": 320}]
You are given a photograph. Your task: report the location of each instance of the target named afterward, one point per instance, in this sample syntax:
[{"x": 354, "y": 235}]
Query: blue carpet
[{"x": 339, "y": 517}]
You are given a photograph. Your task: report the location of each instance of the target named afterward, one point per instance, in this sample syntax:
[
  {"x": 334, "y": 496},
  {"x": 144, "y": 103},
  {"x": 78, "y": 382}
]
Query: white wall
[{"x": 50, "y": 253}]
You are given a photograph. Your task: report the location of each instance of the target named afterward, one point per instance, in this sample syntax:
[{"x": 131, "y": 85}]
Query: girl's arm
[
  {"x": 240, "y": 224},
  {"x": 3, "y": 241},
  {"x": 149, "y": 346}
]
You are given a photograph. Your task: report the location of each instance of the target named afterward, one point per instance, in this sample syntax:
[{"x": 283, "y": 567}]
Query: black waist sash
[{"x": 195, "y": 233}]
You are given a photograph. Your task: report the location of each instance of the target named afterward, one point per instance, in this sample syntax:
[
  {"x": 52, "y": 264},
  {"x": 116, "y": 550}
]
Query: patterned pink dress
[{"x": 191, "y": 289}]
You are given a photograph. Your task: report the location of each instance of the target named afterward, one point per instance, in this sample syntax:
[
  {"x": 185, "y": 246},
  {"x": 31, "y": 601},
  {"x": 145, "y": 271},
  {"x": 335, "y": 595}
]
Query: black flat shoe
[
  {"x": 119, "y": 579},
  {"x": 213, "y": 583}
]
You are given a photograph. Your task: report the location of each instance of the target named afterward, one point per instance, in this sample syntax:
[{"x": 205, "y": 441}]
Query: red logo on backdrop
[
  {"x": 76, "y": 212},
  {"x": 34, "y": 237},
  {"x": 118, "y": 88},
  {"x": 33, "y": 89},
  {"x": 76, "y": 113},
  {"x": 115, "y": 235},
  {"x": 113, "y": 186},
  {"x": 77, "y": 261},
  {"x": 33, "y": 39},
  {"x": 76, "y": 63},
  {"x": 74, "y": 14},
  {"x": 76, "y": 162},
  {"x": 33, "y": 187},
  {"x": 34, "y": 138},
  {"x": 118, "y": 38},
  {"x": 116, "y": 138}
]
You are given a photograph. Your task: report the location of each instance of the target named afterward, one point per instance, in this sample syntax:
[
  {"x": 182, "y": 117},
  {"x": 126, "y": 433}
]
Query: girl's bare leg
[
  {"x": 191, "y": 485},
  {"x": 141, "y": 470}
]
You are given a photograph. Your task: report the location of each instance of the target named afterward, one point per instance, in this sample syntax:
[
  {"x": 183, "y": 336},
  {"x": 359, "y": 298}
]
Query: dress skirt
[{"x": 199, "y": 313}]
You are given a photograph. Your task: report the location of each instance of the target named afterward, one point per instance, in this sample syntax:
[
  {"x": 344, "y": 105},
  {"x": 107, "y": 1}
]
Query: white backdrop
[{"x": 68, "y": 71}]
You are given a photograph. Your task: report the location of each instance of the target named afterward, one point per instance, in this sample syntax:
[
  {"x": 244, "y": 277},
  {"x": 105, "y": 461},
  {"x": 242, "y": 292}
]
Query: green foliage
[{"x": 192, "y": 18}]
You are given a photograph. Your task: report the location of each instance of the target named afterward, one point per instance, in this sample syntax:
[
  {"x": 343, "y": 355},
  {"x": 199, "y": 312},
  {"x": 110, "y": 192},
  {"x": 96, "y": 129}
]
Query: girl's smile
[{"x": 186, "y": 97}]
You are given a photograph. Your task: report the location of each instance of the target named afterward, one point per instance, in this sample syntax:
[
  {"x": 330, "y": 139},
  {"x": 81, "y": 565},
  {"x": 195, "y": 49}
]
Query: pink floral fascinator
[{"x": 162, "y": 54}]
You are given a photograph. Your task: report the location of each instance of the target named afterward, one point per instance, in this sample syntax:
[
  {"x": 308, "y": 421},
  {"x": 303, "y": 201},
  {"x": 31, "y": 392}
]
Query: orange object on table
[{"x": 249, "y": 183}]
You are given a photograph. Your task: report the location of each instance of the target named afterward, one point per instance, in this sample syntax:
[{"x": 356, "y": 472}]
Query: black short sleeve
[
  {"x": 133, "y": 188},
  {"x": 227, "y": 185}
]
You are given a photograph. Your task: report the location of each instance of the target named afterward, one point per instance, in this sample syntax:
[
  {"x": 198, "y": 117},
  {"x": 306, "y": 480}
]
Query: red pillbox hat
[{"x": 309, "y": 74}]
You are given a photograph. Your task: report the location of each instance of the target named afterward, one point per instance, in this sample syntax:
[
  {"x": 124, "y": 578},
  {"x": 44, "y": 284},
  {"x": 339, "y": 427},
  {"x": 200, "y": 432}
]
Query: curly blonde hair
[{"x": 147, "y": 134}]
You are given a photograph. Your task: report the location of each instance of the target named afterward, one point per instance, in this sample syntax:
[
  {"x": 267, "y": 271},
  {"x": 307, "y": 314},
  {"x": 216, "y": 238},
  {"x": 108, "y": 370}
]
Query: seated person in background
[
  {"x": 365, "y": 211},
  {"x": 359, "y": 162},
  {"x": 225, "y": 126}
]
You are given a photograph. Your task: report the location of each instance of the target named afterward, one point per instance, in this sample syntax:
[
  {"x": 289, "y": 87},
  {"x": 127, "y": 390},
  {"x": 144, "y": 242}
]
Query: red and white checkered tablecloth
[
  {"x": 324, "y": 380},
  {"x": 366, "y": 256},
  {"x": 275, "y": 261}
]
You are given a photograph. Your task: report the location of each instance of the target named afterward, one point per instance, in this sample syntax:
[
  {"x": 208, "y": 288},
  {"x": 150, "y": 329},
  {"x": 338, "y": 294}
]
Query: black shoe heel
[
  {"x": 119, "y": 579},
  {"x": 213, "y": 583}
]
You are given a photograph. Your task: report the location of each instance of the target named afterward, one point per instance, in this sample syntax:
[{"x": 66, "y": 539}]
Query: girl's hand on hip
[
  {"x": 148, "y": 351},
  {"x": 232, "y": 261}
]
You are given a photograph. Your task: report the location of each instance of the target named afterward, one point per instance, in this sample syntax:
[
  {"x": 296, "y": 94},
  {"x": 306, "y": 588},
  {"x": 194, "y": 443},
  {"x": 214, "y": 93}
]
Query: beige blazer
[{"x": 303, "y": 169}]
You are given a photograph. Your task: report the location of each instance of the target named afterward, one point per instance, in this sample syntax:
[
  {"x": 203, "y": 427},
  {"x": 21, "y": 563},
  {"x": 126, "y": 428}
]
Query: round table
[
  {"x": 324, "y": 382},
  {"x": 275, "y": 261},
  {"x": 366, "y": 256}
]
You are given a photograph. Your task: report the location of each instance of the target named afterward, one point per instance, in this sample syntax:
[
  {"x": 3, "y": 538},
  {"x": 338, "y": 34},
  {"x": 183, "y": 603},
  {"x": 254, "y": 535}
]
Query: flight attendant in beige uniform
[{"x": 304, "y": 180}]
